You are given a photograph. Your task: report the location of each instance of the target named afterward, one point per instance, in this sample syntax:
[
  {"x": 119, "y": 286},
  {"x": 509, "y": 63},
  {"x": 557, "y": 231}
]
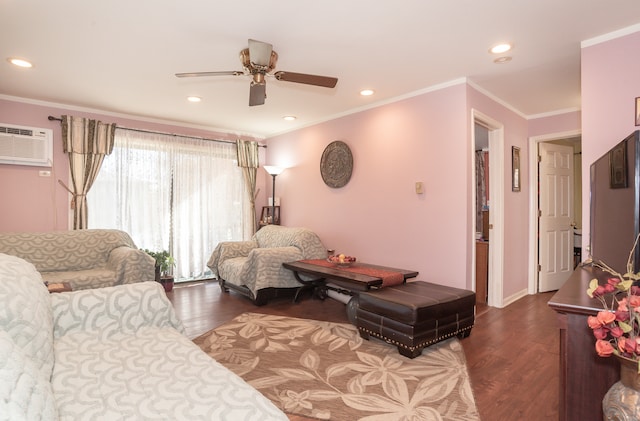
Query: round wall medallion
[{"x": 336, "y": 164}]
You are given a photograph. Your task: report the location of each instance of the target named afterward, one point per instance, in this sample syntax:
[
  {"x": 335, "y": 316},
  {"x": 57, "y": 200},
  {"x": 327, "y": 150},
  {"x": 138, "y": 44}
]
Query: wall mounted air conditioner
[{"x": 20, "y": 145}]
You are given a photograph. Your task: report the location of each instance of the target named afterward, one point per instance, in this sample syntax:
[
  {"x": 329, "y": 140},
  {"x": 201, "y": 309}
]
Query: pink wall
[
  {"x": 377, "y": 216},
  {"x": 560, "y": 123},
  {"x": 610, "y": 84},
  {"x": 33, "y": 203},
  {"x": 516, "y": 204}
]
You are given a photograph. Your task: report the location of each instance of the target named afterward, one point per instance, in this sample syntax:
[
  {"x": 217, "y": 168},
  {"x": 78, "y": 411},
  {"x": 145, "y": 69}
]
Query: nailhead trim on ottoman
[{"x": 415, "y": 315}]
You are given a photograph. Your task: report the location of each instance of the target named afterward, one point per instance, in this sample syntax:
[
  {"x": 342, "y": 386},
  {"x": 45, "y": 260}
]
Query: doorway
[
  {"x": 494, "y": 205},
  {"x": 482, "y": 191},
  {"x": 556, "y": 209}
]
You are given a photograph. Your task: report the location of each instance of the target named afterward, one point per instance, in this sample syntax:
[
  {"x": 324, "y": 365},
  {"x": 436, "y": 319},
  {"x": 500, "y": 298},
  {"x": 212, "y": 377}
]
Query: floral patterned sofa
[
  {"x": 84, "y": 258},
  {"x": 115, "y": 353},
  {"x": 254, "y": 268}
]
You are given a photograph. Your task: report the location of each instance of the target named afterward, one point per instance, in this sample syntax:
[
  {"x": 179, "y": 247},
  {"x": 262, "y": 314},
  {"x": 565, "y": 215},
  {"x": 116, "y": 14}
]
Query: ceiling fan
[{"x": 259, "y": 60}]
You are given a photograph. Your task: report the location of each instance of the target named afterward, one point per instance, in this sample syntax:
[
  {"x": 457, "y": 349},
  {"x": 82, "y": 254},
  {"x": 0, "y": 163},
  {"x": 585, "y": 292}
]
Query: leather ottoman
[{"x": 415, "y": 315}]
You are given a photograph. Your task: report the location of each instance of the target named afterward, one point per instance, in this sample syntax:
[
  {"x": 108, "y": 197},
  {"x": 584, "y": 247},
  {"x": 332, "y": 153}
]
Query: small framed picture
[
  {"x": 618, "y": 166},
  {"x": 638, "y": 111},
  {"x": 515, "y": 168}
]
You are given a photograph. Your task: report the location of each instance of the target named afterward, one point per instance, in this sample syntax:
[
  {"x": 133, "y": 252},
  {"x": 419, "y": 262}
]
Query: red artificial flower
[
  {"x": 634, "y": 301},
  {"x": 622, "y": 305},
  {"x": 616, "y": 331},
  {"x": 599, "y": 291},
  {"x": 617, "y": 328},
  {"x": 630, "y": 346},
  {"x": 593, "y": 322},
  {"x": 622, "y": 316},
  {"x": 626, "y": 345},
  {"x": 606, "y": 317},
  {"x": 613, "y": 281},
  {"x": 600, "y": 333},
  {"x": 604, "y": 348}
]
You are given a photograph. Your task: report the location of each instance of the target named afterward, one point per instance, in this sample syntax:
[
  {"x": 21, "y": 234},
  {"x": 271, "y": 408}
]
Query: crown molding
[
  {"x": 610, "y": 36},
  {"x": 128, "y": 116}
]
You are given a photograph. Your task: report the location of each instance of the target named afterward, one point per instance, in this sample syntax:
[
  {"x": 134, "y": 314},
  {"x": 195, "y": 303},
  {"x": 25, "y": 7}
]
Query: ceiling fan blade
[
  {"x": 257, "y": 93},
  {"x": 324, "y": 81},
  {"x": 198, "y": 74},
  {"x": 260, "y": 53}
]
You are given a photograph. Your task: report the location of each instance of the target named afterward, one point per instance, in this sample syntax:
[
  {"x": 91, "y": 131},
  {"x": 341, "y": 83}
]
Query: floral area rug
[{"x": 326, "y": 371}]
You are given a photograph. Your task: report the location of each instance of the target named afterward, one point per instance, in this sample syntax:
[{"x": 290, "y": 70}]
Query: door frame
[
  {"x": 496, "y": 213},
  {"x": 532, "y": 286}
]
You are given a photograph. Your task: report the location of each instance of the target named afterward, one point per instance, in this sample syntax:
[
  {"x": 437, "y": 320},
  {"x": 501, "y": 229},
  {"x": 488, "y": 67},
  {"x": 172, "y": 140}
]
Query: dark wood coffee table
[{"x": 346, "y": 281}]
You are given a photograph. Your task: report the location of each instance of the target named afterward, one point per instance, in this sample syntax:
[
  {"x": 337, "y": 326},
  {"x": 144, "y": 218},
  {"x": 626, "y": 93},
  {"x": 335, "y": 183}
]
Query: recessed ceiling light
[
  {"x": 501, "y": 60},
  {"x": 289, "y": 117},
  {"x": 500, "y": 48},
  {"x": 194, "y": 99},
  {"x": 366, "y": 92},
  {"x": 20, "y": 62}
]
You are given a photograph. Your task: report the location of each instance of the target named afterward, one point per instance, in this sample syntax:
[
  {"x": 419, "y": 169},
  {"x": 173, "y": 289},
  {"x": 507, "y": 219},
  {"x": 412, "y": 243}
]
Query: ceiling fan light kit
[{"x": 259, "y": 60}]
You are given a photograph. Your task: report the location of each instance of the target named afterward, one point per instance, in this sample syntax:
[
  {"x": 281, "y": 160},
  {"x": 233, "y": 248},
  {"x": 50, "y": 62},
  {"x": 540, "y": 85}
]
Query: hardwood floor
[
  {"x": 512, "y": 353},
  {"x": 513, "y": 361}
]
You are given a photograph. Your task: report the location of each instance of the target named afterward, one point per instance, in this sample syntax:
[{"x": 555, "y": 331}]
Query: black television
[{"x": 615, "y": 205}]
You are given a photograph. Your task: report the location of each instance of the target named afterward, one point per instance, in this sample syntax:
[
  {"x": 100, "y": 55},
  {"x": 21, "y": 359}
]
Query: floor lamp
[{"x": 273, "y": 171}]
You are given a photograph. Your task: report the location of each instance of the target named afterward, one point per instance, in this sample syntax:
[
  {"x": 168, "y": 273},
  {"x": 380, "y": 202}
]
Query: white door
[{"x": 556, "y": 216}]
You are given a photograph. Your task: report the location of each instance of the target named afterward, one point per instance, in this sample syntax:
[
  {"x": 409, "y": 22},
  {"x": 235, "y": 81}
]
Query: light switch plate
[{"x": 419, "y": 187}]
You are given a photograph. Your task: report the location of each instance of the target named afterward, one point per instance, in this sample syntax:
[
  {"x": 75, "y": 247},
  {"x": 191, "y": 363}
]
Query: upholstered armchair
[{"x": 254, "y": 268}]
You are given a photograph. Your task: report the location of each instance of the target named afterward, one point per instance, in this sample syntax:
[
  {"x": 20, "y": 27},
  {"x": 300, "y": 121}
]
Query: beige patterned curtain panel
[
  {"x": 249, "y": 161},
  {"x": 86, "y": 142}
]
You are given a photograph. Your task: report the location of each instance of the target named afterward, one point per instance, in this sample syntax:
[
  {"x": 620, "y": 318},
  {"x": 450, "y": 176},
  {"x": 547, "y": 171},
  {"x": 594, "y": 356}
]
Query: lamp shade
[{"x": 273, "y": 170}]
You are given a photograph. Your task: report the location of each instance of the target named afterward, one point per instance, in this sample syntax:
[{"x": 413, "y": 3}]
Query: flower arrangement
[{"x": 617, "y": 327}]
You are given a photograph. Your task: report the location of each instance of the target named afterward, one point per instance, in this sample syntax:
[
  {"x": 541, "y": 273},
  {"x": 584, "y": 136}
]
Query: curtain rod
[{"x": 52, "y": 118}]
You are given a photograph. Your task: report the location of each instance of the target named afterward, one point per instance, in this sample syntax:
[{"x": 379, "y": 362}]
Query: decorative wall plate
[{"x": 336, "y": 164}]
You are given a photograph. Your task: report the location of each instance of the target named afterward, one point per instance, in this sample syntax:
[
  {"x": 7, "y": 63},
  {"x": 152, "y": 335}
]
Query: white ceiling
[{"x": 120, "y": 56}]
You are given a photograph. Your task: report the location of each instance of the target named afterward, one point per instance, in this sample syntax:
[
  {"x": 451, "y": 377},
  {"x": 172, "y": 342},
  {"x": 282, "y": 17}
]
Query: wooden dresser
[{"x": 584, "y": 377}]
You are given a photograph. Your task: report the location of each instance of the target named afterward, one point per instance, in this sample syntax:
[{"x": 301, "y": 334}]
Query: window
[{"x": 172, "y": 193}]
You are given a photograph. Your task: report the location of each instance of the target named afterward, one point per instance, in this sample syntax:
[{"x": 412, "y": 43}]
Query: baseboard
[{"x": 515, "y": 297}]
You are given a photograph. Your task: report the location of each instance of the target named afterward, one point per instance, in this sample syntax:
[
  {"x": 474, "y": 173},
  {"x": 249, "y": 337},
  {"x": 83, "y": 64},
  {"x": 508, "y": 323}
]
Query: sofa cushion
[
  {"x": 231, "y": 268},
  {"x": 152, "y": 373},
  {"x": 25, "y": 311},
  {"x": 25, "y": 394}
]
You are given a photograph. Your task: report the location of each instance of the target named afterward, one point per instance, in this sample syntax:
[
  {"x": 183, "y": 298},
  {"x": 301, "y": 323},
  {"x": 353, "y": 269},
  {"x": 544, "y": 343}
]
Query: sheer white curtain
[{"x": 172, "y": 193}]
